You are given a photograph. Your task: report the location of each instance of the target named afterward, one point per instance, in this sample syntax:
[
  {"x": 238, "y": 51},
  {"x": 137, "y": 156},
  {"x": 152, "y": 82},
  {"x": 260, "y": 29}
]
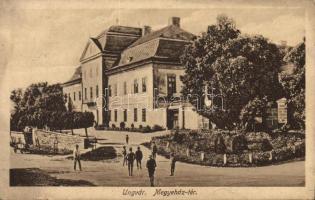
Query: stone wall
[{"x": 63, "y": 141}]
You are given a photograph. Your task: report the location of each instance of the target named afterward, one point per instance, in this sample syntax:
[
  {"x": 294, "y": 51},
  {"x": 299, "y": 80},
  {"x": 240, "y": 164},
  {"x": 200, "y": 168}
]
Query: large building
[{"x": 130, "y": 74}]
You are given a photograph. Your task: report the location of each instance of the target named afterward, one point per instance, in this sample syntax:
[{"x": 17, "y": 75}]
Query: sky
[{"x": 46, "y": 44}]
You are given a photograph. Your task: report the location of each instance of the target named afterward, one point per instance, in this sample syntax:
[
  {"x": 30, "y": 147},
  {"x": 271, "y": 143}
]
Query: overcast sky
[{"x": 45, "y": 45}]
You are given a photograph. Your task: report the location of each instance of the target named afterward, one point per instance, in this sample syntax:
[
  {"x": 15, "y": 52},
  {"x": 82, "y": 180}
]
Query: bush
[
  {"x": 140, "y": 126},
  {"x": 132, "y": 126},
  {"x": 157, "y": 128},
  {"x": 113, "y": 126},
  {"x": 122, "y": 125}
]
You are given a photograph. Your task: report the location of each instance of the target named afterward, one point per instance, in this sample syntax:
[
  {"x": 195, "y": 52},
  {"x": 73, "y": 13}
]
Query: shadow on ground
[
  {"x": 37, "y": 177},
  {"x": 98, "y": 154}
]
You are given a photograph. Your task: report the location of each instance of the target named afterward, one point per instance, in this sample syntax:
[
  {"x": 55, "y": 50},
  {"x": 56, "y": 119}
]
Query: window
[
  {"x": 144, "y": 115},
  {"x": 144, "y": 84},
  {"x": 115, "y": 115},
  {"x": 109, "y": 115},
  {"x": 115, "y": 89},
  {"x": 91, "y": 92},
  {"x": 73, "y": 96},
  {"x": 96, "y": 91},
  {"x": 171, "y": 85},
  {"x": 109, "y": 90},
  {"x": 85, "y": 93},
  {"x": 79, "y": 95},
  {"x": 135, "y": 86},
  {"x": 125, "y": 88},
  {"x": 91, "y": 72},
  {"x": 125, "y": 115},
  {"x": 135, "y": 114}
]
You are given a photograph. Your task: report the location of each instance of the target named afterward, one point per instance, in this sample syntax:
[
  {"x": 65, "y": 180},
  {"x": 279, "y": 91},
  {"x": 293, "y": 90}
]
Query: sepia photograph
[{"x": 156, "y": 102}]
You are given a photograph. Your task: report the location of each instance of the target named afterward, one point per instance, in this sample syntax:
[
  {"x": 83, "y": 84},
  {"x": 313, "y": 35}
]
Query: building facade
[{"x": 130, "y": 75}]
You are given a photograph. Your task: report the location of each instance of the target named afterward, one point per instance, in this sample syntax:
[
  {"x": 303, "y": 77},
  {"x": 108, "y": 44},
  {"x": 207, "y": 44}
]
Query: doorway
[{"x": 172, "y": 118}]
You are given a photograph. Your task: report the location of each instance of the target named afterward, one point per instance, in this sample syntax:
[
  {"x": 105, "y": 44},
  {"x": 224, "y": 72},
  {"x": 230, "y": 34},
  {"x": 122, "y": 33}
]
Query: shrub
[
  {"x": 113, "y": 126},
  {"x": 146, "y": 129},
  {"x": 157, "y": 127},
  {"x": 122, "y": 125},
  {"x": 132, "y": 126},
  {"x": 140, "y": 126}
]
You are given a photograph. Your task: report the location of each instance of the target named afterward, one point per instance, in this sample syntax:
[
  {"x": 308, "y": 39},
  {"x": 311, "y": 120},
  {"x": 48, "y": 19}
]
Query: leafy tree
[
  {"x": 237, "y": 68},
  {"x": 294, "y": 85},
  {"x": 30, "y": 105},
  {"x": 254, "y": 108}
]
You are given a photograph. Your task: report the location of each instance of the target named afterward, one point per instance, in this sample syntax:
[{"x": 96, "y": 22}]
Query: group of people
[{"x": 130, "y": 157}]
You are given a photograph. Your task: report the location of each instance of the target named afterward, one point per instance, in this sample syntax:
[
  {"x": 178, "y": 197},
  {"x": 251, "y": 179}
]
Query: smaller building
[{"x": 73, "y": 90}]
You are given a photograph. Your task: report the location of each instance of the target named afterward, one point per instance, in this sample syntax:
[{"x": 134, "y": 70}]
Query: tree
[
  {"x": 294, "y": 85},
  {"x": 30, "y": 105},
  {"x": 237, "y": 68},
  {"x": 85, "y": 120},
  {"x": 253, "y": 109}
]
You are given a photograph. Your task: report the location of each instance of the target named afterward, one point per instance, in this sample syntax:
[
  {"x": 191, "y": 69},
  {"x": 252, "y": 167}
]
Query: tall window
[
  {"x": 144, "y": 115},
  {"x": 85, "y": 93},
  {"x": 91, "y": 72},
  {"x": 135, "y": 114},
  {"x": 73, "y": 96},
  {"x": 125, "y": 88},
  {"x": 109, "y": 115},
  {"x": 109, "y": 90},
  {"x": 115, "y": 115},
  {"x": 125, "y": 115},
  {"x": 135, "y": 86},
  {"x": 115, "y": 89},
  {"x": 91, "y": 92},
  {"x": 79, "y": 95},
  {"x": 171, "y": 85},
  {"x": 144, "y": 84},
  {"x": 96, "y": 91}
]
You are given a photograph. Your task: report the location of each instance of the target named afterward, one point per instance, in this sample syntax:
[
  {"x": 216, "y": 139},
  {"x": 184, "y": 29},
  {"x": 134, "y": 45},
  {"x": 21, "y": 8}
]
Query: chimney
[
  {"x": 146, "y": 30},
  {"x": 174, "y": 21}
]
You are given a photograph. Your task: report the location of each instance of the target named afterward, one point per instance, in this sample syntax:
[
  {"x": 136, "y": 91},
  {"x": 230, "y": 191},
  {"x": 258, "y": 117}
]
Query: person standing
[
  {"x": 139, "y": 157},
  {"x": 127, "y": 139},
  {"x": 77, "y": 157},
  {"x": 173, "y": 161},
  {"x": 151, "y": 165},
  {"x": 124, "y": 153},
  {"x": 154, "y": 150},
  {"x": 130, "y": 159}
]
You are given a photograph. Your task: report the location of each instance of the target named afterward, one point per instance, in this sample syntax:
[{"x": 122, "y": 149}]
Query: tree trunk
[
  {"x": 86, "y": 134},
  {"x": 72, "y": 131}
]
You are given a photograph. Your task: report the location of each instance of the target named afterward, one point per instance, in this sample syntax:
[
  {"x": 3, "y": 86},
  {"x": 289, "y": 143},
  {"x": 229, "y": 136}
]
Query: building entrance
[{"x": 172, "y": 118}]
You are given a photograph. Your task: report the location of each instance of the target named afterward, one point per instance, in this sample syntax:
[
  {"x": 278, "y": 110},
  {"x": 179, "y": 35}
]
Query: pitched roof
[
  {"x": 171, "y": 31},
  {"x": 76, "y": 76},
  {"x": 114, "y": 40},
  {"x": 168, "y": 43}
]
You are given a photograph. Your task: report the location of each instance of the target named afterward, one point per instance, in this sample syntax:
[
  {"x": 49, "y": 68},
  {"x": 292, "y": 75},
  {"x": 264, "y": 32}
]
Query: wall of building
[
  {"x": 92, "y": 77},
  {"x": 73, "y": 91},
  {"x": 131, "y": 100}
]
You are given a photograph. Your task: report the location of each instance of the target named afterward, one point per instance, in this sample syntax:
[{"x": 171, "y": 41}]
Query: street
[{"x": 112, "y": 173}]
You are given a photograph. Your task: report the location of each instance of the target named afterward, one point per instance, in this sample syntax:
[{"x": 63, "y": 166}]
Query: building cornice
[{"x": 138, "y": 64}]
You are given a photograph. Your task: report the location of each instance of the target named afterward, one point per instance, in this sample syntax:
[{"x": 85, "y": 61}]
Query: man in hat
[
  {"x": 124, "y": 153},
  {"x": 130, "y": 159},
  {"x": 151, "y": 165},
  {"x": 173, "y": 161},
  {"x": 77, "y": 157},
  {"x": 139, "y": 156},
  {"x": 154, "y": 150}
]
